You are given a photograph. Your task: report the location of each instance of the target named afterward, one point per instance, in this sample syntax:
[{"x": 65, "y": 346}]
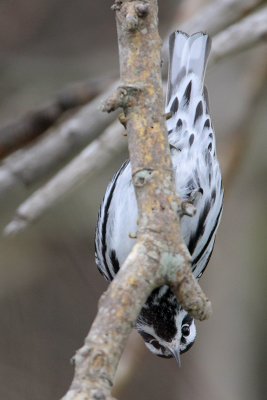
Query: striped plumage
[{"x": 166, "y": 328}]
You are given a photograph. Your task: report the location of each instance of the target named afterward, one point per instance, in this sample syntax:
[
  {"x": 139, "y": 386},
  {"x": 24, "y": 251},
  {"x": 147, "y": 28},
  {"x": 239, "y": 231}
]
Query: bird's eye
[
  {"x": 185, "y": 330},
  {"x": 156, "y": 344}
]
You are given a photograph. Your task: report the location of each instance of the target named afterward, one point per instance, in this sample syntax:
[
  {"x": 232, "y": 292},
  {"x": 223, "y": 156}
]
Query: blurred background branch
[
  {"x": 241, "y": 36},
  {"x": 90, "y": 161},
  {"x": 217, "y": 15},
  {"x": 235, "y": 150},
  {"x": 25, "y": 129},
  {"x": 29, "y": 165}
]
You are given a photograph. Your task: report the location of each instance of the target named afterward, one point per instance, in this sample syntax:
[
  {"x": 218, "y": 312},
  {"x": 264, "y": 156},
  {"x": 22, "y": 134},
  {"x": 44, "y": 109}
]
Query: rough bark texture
[{"x": 160, "y": 255}]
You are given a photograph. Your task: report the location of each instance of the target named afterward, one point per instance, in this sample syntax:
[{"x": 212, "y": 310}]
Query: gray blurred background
[{"x": 49, "y": 284}]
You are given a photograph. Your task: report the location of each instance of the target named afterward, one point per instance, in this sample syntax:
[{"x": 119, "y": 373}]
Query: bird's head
[{"x": 167, "y": 330}]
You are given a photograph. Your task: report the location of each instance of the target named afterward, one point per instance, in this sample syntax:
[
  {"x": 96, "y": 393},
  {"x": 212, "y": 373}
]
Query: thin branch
[
  {"x": 30, "y": 126},
  {"x": 91, "y": 160},
  {"x": 74, "y": 173},
  {"x": 215, "y": 17},
  {"x": 219, "y": 14},
  {"x": 159, "y": 255},
  {"x": 235, "y": 150},
  {"x": 241, "y": 36},
  {"x": 26, "y": 167}
]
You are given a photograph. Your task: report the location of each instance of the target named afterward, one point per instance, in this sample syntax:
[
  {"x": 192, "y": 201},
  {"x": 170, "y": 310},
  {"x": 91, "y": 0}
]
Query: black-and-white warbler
[{"x": 167, "y": 329}]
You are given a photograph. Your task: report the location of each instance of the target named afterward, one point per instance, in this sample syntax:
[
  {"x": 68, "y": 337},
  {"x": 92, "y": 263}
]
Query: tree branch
[
  {"x": 89, "y": 161},
  {"x": 27, "y": 166},
  {"x": 31, "y": 125},
  {"x": 235, "y": 150},
  {"x": 219, "y": 14},
  {"x": 241, "y": 36},
  {"x": 215, "y": 17},
  {"x": 159, "y": 256}
]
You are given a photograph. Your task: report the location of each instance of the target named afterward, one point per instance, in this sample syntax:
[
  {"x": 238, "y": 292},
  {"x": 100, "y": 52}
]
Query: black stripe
[
  {"x": 179, "y": 123},
  {"x": 200, "y": 228},
  {"x": 207, "y": 123},
  {"x": 199, "y": 112},
  {"x": 104, "y": 225},
  {"x": 174, "y": 106},
  {"x": 191, "y": 139},
  {"x": 196, "y": 259},
  {"x": 187, "y": 94},
  {"x": 187, "y": 347},
  {"x": 205, "y": 265},
  {"x": 114, "y": 261},
  {"x": 213, "y": 195}
]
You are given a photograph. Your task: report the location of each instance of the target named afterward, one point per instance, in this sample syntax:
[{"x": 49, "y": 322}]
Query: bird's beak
[{"x": 176, "y": 355}]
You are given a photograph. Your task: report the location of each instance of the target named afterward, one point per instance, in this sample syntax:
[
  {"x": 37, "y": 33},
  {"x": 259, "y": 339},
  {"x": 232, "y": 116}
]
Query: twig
[
  {"x": 31, "y": 164},
  {"x": 241, "y": 36},
  {"x": 91, "y": 159},
  {"x": 73, "y": 174},
  {"x": 235, "y": 150},
  {"x": 26, "y": 167},
  {"x": 159, "y": 255},
  {"x": 215, "y": 17},
  {"x": 219, "y": 14},
  {"x": 31, "y": 125}
]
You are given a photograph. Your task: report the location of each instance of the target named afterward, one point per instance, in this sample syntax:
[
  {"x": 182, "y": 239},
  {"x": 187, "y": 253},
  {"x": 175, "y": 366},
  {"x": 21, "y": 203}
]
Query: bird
[{"x": 167, "y": 329}]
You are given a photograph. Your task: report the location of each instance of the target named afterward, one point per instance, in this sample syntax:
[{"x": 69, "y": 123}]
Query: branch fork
[
  {"x": 131, "y": 14},
  {"x": 124, "y": 97}
]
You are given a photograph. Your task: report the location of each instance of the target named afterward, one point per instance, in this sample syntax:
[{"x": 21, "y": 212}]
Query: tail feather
[{"x": 188, "y": 54}]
